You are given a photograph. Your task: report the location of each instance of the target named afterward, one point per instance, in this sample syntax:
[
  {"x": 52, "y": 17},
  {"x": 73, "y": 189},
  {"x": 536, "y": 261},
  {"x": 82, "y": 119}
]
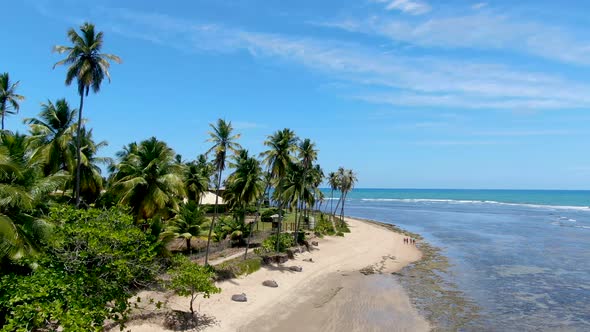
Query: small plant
[
  {"x": 270, "y": 243},
  {"x": 190, "y": 279}
]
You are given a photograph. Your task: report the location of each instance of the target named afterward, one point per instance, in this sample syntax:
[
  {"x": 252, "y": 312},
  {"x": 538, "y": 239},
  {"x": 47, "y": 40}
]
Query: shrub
[
  {"x": 342, "y": 227},
  {"x": 190, "y": 279},
  {"x": 236, "y": 267},
  {"x": 270, "y": 243},
  {"x": 324, "y": 227},
  {"x": 339, "y": 234},
  {"x": 92, "y": 263}
]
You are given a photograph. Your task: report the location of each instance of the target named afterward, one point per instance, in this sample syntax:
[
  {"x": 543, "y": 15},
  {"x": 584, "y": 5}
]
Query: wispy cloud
[
  {"x": 479, "y": 5},
  {"x": 412, "y": 7},
  {"x": 391, "y": 79},
  {"x": 480, "y": 31}
]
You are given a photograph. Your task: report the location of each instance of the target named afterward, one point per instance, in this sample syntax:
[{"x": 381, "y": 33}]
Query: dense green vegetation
[{"x": 75, "y": 244}]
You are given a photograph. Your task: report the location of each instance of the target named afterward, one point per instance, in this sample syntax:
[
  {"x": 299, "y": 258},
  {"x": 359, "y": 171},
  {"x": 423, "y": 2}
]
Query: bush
[
  {"x": 324, "y": 227},
  {"x": 270, "y": 243},
  {"x": 236, "y": 267},
  {"x": 342, "y": 227},
  {"x": 93, "y": 262},
  {"x": 339, "y": 234},
  {"x": 190, "y": 279}
]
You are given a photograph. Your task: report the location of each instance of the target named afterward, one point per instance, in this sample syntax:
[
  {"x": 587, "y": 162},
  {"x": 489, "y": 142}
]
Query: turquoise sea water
[{"x": 522, "y": 255}]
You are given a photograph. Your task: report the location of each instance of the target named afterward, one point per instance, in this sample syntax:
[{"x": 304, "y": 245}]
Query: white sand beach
[{"x": 328, "y": 284}]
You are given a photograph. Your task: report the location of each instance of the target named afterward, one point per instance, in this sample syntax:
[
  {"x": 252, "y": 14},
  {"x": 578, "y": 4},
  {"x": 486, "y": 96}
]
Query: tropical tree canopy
[
  {"x": 148, "y": 179},
  {"x": 52, "y": 134}
]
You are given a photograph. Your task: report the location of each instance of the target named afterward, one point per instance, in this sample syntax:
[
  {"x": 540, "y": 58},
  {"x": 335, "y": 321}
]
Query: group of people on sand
[{"x": 409, "y": 240}]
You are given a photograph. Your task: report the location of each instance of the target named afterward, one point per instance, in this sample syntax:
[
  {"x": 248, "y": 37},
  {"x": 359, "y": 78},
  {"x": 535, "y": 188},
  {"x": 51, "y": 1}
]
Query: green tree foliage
[
  {"x": 197, "y": 177},
  {"x": 232, "y": 227},
  {"x": 92, "y": 263},
  {"x": 89, "y": 67},
  {"x": 52, "y": 134},
  {"x": 190, "y": 279},
  {"x": 9, "y": 99},
  {"x": 23, "y": 198},
  {"x": 148, "y": 179},
  {"x": 190, "y": 222}
]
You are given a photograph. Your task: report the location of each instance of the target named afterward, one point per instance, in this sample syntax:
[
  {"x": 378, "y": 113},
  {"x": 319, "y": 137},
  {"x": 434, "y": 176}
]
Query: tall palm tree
[
  {"x": 8, "y": 97},
  {"x": 224, "y": 142},
  {"x": 52, "y": 135},
  {"x": 308, "y": 154},
  {"x": 349, "y": 179},
  {"x": 148, "y": 179},
  {"x": 334, "y": 182},
  {"x": 88, "y": 66},
  {"x": 245, "y": 186},
  {"x": 279, "y": 157}
]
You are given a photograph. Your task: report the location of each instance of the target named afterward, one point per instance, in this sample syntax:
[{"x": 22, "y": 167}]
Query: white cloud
[
  {"x": 389, "y": 79},
  {"x": 480, "y": 31},
  {"x": 412, "y": 7}
]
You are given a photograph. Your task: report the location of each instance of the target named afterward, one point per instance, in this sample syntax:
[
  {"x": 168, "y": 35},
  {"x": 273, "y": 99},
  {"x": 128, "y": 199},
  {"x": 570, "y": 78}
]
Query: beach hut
[{"x": 208, "y": 198}]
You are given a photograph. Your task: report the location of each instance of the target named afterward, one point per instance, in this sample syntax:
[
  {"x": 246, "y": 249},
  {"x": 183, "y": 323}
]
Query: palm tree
[
  {"x": 189, "y": 222},
  {"x": 348, "y": 181},
  {"x": 279, "y": 157},
  {"x": 307, "y": 155},
  {"x": 23, "y": 190},
  {"x": 334, "y": 182},
  {"x": 148, "y": 179},
  {"x": 52, "y": 135},
  {"x": 88, "y": 66},
  {"x": 8, "y": 97},
  {"x": 223, "y": 141},
  {"x": 245, "y": 186}
]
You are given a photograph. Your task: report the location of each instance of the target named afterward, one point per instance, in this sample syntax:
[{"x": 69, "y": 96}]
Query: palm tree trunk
[
  {"x": 344, "y": 194},
  {"x": 78, "y": 149},
  {"x": 3, "y": 120},
  {"x": 214, "y": 216},
  {"x": 256, "y": 219},
  {"x": 331, "y": 201}
]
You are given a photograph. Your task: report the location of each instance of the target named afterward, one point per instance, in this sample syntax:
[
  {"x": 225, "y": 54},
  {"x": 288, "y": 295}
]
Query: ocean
[{"x": 522, "y": 255}]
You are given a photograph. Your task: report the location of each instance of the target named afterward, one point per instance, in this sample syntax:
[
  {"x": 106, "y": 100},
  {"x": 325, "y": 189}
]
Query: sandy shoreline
[{"x": 331, "y": 283}]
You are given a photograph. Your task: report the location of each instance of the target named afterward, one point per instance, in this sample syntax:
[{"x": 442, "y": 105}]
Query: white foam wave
[{"x": 454, "y": 201}]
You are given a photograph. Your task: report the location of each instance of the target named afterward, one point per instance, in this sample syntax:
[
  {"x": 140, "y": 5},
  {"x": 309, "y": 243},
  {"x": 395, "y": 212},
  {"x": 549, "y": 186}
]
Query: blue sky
[{"x": 408, "y": 93}]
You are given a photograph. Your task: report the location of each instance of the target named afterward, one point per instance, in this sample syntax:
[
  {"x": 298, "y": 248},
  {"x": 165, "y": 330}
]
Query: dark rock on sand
[
  {"x": 315, "y": 243},
  {"x": 270, "y": 283},
  {"x": 308, "y": 260},
  {"x": 239, "y": 297},
  {"x": 296, "y": 268}
]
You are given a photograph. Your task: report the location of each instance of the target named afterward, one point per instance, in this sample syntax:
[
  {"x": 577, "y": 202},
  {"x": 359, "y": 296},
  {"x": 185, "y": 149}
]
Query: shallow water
[{"x": 526, "y": 265}]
